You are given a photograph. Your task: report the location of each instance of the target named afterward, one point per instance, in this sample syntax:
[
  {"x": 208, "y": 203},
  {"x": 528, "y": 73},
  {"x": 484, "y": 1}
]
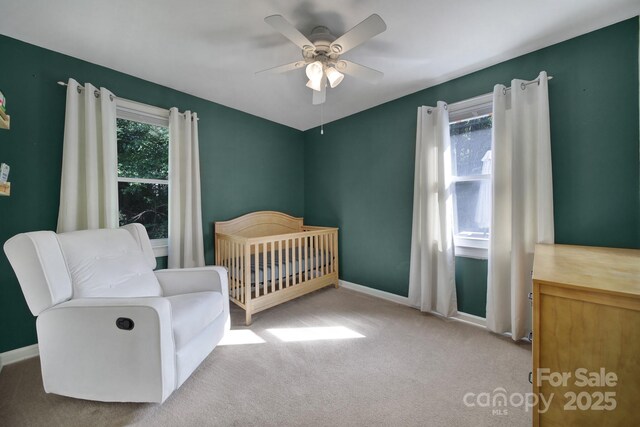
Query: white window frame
[
  {"x": 142, "y": 113},
  {"x": 470, "y": 247}
]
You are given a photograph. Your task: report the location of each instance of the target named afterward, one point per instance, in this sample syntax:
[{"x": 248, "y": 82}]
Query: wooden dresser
[{"x": 586, "y": 327}]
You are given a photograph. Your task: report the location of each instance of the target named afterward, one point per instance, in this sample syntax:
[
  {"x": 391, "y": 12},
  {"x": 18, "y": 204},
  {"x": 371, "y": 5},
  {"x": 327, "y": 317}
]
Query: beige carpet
[{"x": 409, "y": 369}]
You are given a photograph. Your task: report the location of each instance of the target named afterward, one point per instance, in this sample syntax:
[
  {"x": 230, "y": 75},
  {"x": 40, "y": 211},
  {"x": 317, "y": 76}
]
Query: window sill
[
  {"x": 469, "y": 247},
  {"x": 160, "y": 247},
  {"x": 467, "y": 252}
]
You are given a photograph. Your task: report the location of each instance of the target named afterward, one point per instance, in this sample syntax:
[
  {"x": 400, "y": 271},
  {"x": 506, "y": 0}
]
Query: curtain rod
[
  {"x": 523, "y": 85},
  {"x": 481, "y": 99},
  {"x": 80, "y": 88},
  {"x": 97, "y": 94}
]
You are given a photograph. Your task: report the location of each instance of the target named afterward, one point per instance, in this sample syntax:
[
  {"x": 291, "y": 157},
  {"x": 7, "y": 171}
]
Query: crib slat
[
  {"x": 318, "y": 255},
  {"x": 244, "y": 274},
  {"x": 234, "y": 256},
  {"x": 254, "y": 266},
  {"x": 300, "y": 260},
  {"x": 216, "y": 249},
  {"x": 261, "y": 270},
  {"x": 229, "y": 261},
  {"x": 265, "y": 269},
  {"x": 230, "y": 267},
  {"x": 256, "y": 270},
  {"x": 336, "y": 256},
  {"x": 311, "y": 258},
  {"x": 331, "y": 255},
  {"x": 315, "y": 247},
  {"x": 326, "y": 253},
  {"x": 237, "y": 269},
  {"x": 297, "y": 274},
  {"x": 305, "y": 249},
  {"x": 323, "y": 249},
  {"x": 319, "y": 260},
  {"x": 299, "y": 250},
  {"x": 239, "y": 265},
  {"x": 273, "y": 266},
  {"x": 279, "y": 264},
  {"x": 286, "y": 254},
  {"x": 226, "y": 263},
  {"x": 322, "y": 254},
  {"x": 327, "y": 247},
  {"x": 221, "y": 245},
  {"x": 280, "y": 255},
  {"x": 275, "y": 253},
  {"x": 224, "y": 260},
  {"x": 246, "y": 294},
  {"x": 221, "y": 251}
]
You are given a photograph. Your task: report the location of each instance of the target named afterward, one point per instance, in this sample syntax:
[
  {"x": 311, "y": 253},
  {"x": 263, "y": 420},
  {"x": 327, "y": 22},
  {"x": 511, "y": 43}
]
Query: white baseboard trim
[
  {"x": 19, "y": 354},
  {"x": 460, "y": 316},
  {"x": 376, "y": 293},
  {"x": 472, "y": 319}
]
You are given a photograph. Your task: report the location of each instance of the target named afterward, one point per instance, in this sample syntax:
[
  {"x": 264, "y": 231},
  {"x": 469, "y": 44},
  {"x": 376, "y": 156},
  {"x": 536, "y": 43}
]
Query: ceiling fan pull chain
[{"x": 322, "y": 119}]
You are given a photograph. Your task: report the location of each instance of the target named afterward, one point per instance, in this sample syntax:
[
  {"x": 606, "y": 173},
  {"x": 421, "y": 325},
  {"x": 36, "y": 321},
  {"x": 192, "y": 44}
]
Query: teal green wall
[
  {"x": 359, "y": 174},
  {"x": 471, "y": 285},
  {"x": 247, "y": 163}
]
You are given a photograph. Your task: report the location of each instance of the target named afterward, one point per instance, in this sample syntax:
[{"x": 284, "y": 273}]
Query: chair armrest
[
  {"x": 188, "y": 280},
  {"x": 82, "y": 346}
]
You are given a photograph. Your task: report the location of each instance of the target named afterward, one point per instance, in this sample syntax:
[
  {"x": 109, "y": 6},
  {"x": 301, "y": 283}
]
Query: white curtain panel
[
  {"x": 186, "y": 247},
  {"x": 432, "y": 271},
  {"x": 522, "y": 202},
  {"x": 89, "y": 186}
]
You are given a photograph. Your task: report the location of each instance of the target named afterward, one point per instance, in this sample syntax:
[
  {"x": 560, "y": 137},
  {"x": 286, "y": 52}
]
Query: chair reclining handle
[{"x": 124, "y": 323}]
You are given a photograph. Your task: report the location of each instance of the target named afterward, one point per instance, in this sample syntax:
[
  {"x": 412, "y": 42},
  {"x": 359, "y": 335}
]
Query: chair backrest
[
  {"x": 40, "y": 267},
  {"x": 139, "y": 234},
  {"x": 53, "y": 268}
]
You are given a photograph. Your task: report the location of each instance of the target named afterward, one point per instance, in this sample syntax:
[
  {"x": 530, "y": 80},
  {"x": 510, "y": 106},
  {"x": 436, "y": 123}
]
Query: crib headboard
[{"x": 261, "y": 223}]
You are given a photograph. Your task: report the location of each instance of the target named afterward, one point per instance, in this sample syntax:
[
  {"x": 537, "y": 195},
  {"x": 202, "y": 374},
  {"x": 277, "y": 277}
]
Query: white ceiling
[{"x": 211, "y": 49}]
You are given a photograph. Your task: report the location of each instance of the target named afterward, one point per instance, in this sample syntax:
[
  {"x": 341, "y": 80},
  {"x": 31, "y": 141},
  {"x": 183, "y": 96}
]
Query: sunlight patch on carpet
[
  {"x": 314, "y": 333},
  {"x": 239, "y": 337}
]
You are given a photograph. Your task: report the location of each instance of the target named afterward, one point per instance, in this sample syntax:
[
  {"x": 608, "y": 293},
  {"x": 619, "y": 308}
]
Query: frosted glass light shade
[
  {"x": 334, "y": 76},
  {"x": 314, "y": 71},
  {"x": 315, "y": 84}
]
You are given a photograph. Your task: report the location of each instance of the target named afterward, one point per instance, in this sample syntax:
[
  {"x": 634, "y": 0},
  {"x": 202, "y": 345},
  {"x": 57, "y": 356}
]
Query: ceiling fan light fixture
[
  {"x": 314, "y": 71},
  {"x": 315, "y": 84},
  {"x": 334, "y": 76}
]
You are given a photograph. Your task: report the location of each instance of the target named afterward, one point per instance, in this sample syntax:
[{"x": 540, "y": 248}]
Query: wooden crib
[{"x": 273, "y": 258}]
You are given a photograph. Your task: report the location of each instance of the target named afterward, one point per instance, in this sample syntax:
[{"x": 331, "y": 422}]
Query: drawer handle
[
  {"x": 530, "y": 296},
  {"x": 531, "y": 336},
  {"x": 530, "y": 377}
]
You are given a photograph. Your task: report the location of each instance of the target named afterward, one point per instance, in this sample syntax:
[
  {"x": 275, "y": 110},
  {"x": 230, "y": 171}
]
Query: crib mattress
[{"x": 295, "y": 265}]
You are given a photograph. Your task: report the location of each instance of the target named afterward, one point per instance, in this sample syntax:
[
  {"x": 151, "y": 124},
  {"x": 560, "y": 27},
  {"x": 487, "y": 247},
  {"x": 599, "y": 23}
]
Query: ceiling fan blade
[
  {"x": 359, "y": 34},
  {"x": 283, "y": 26},
  {"x": 283, "y": 68},
  {"x": 359, "y": 71},
  {"x": 320, "y": 97}
]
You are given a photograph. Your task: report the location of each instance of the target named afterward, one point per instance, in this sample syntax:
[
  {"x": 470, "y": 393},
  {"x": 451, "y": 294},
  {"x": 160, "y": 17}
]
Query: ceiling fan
[{"x": 321, "y": 53}]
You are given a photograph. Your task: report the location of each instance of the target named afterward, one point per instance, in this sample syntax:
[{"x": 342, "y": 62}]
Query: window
[
  {"x": 470, "y": 127},
  {"x": 143, "y": 169}
]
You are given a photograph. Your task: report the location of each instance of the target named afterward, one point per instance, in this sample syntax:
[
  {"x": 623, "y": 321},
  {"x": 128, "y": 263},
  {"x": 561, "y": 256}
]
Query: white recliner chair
[{"x": 109, "y": 327}]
